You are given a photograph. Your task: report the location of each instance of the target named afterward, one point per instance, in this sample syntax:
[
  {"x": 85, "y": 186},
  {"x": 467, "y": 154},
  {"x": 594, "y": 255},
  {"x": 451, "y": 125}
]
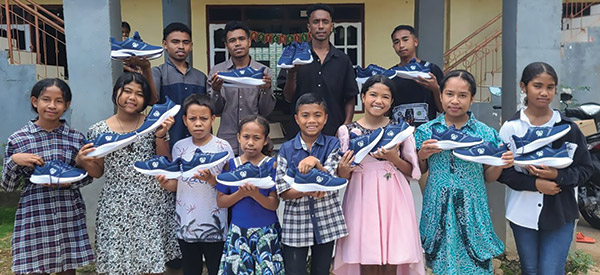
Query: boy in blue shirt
[{"x": 310, "y": 220}]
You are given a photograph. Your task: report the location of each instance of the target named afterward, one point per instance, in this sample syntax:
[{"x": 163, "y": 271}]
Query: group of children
[{"x": 143, "y": 221}]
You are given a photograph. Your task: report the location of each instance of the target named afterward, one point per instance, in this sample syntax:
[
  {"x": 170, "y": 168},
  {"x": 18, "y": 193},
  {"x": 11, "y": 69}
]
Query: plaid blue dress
[{"x": 50, "y": 234}]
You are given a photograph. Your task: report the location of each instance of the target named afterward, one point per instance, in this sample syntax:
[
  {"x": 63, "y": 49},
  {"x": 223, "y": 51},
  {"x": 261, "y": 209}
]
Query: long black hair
[
  {"x": 535, "y": 69},
  {"x": 267, "y": 150},
  {"x": 127, "y": 78},
  {"x": 41, "y": 86}
]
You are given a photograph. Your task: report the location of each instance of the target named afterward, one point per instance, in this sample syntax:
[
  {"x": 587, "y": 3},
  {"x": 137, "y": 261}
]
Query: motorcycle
[{"x": 588, "y": 197}]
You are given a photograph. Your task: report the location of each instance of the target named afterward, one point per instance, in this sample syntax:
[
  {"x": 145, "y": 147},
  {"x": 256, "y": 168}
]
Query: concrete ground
[{"x": 592, "y": 249}]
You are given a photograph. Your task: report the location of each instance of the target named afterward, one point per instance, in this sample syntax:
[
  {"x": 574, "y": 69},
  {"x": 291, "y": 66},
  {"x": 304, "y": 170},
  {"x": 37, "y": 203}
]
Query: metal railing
[
  {"x": 574, "y": 22},
  {"x": 35, "y": 36},
  {"x": 480, "y": 53}
]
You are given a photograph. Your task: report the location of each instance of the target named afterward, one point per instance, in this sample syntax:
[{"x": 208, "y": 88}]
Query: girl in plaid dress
[{"x": 50, "y": 234}]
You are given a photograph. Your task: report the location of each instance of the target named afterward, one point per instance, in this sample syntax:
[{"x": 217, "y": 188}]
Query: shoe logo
[
  {"x": 108, "y": 138},
  {"x": 243, "y": 174},
  {"x": 242, "y": 72},
  {"x": 319, "y": 179},
  {"x": 156, "y": 113},
  {"x": 135, "y": 44},
  {"x": 155, "y": 164},
  {"x": 453, "y": 136},
  {"x": 202, "y": 160},
  {"x": 390, "y": 133},
  {"x": 480, "y": 151},
  {"x": 539, "y": 153},
  {"x": 412, "y": 67},
  {"x": 52, "y": 171},
  {"x": 360, "y": 143},
  {"x": 539, "y": 133},
  {"x": 373, "y": 73}
]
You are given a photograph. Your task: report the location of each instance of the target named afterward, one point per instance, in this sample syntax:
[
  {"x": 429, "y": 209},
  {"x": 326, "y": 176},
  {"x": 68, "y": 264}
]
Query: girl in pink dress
[{"x": 378, "y": 204}]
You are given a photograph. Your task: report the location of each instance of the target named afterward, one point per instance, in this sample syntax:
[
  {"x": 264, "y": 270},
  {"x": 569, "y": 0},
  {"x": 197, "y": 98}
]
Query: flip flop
[{"x": 584, "y": 239}]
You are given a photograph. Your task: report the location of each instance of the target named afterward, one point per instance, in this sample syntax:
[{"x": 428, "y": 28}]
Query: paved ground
[{"x": 592, "y": 249}]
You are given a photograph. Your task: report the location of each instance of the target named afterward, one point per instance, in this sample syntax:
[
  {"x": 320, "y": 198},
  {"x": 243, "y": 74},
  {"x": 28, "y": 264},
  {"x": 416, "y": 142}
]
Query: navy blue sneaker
[
  {"x": 107, "y": 143},
  {"x": 159, "y": 165},
  {"x": 363, "y": 74},
  {"x": 157, "y": 115},
  {"x": 537, "y": 137},
  {"x": 394, "y": 134},
  {"x": 133, "y": 47},
  {"x": 557, "y": 158},
  {"x": 413, "y": 70},
  {"x": 302, "y": 55},
  {"x": 453, "y": 138},
  {"x": 250, "y": 173},
  {"x": 286, "y": 60},
  {"x": 362, "y": 145},
  {"x": 317, "y": 180},
  {"x": 56, "y": 172},
  {"x": 244, "y": 77},
  {"x": 484, "y": 153},
  {"x": 289, "y": 175},
  {"x": 201, "y": 160}
]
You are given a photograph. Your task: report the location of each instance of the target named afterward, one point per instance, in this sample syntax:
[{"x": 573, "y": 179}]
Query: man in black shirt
[
  {"x": 418, "y": 99},
  {"x": 330, "y": 75}
]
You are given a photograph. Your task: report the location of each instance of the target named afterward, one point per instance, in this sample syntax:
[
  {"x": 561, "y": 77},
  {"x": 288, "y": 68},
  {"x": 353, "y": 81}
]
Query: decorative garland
[{"x": 279, "y": 38}]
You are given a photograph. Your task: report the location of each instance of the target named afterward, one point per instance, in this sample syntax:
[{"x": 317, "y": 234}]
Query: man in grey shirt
[{"x": 235, "y": 103}]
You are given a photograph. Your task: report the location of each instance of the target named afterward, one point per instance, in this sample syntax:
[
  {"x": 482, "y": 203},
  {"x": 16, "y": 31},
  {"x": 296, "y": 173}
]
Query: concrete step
[
  {"x": 49, "y": 71},
  {"x": 4, "y": 43}
]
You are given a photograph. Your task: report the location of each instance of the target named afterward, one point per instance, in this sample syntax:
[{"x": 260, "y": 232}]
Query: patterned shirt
[
  {"x": 307, "y": 220},
  {"x": 49, "y": 220}
]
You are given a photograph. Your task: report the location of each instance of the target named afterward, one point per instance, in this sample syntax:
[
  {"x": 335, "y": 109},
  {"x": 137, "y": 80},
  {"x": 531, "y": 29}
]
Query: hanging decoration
[{"x": 279, "y": 38}]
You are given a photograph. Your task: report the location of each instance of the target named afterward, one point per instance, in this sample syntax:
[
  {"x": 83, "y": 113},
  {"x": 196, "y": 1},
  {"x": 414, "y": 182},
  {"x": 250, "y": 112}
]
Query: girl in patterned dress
[
  {"x": 456, "y": 229},
  {"x": 135, "y": 225},
  {"x": 253, "y": 244},
  {"x": 50, "y": 235},
  {"x": 383, "y": 236}
]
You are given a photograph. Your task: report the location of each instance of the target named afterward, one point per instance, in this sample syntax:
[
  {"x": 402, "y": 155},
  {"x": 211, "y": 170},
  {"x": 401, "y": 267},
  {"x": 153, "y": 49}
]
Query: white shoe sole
[
  {"x": 412, "y": 75},
  {"x": 288, "y": 179},
  {"x": 156, "y": 172},
  {"x": 361, "y": 154},
  {"x": 246, "y": 81},
  {"x": 541, "y": 142},
  {"x": 312, "y": 187},
  {"x": 150, "y": 57},
  {"x": 47, "y": 179},
  {"x": 399, "y": 138},
  {"x": 558, "y": 163},
  {"x": 169, "y": 113},
  {"x": 263, "y": 183},
  {"x": 285, "y": 66},
  {"x": 125, "y": 53},
  {"x": 449, "y": 145},
  {"x": 298, "y": 61},
  {"x": 487, "y": 160},
  {"x": 239, "y": 85},
  {"x": 191, "y": 172},
  {"x": 108, "y": 148}
]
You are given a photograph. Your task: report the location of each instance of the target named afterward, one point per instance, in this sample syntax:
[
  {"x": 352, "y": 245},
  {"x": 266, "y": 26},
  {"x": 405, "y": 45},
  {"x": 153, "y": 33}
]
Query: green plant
[
  {"x": 578, "y": 262},
  {"x": 509, "y": 266}
]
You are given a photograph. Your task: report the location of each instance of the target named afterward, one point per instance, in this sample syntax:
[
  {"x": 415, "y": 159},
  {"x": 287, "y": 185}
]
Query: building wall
[{"x": 466, "y": 16}]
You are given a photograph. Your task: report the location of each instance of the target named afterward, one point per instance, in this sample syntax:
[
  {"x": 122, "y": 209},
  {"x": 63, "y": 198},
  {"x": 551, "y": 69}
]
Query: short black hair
[
  {"x": 310, "y": 98},
  {"x": 535, "y": 69},
  {"x": 128, "y": 77},
  {"x": 124, "y": 24},
  {"x": 319, "y": 6},
  {"x": 198, "y": 99},
  {"x": 176, "y": 27},
  {"x": 267, "y": 150},
  {"x": 464, "y": 75},
  {"x": 41, "y": 86},
  {"x": 404, "y": 27},
  {"x": 236, "y": 25}
]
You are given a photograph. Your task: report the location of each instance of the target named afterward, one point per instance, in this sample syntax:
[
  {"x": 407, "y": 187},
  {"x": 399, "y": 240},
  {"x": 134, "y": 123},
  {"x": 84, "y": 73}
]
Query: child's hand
[
  {"x": 248, "y": 190},
  {"x": 83, "y": 152},
  {"x": 388, "y": 155},
  {"x": 164, "y": 127},
  {"x": 216, "y": 83},
  {"x": 428, "y": 148},
  {"x": 136, "y": 64},
  {"x": 307, "y": 163},
  {"x": 167, "y": 184},
  {"x": 316, "y": 194},
  {"x": 547, "y": 187},
  {"x": 27, "y": 159},
  {"x": 543, "y": 172},
  {"x": 508, "y": 159},
  {"x": 207, "y": 176},
  {"x": 345, "y": 168},
  {"x": 267, "y": 80}
]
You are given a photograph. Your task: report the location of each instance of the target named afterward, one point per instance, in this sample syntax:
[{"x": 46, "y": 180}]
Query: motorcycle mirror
[{"x": 565, "y": 97}]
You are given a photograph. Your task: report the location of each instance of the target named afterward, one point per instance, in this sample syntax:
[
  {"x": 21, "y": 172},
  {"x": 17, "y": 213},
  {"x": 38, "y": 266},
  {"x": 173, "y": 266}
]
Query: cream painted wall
[
  {"x": 381, "y": 16},
  {"x": 466, "y": 16},
  {"x": 145, "y": 17}
]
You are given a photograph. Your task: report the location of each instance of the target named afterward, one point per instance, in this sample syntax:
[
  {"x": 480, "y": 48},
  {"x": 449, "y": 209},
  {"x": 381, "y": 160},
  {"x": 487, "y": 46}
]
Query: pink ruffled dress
[{"x": 380, "y": 214}]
